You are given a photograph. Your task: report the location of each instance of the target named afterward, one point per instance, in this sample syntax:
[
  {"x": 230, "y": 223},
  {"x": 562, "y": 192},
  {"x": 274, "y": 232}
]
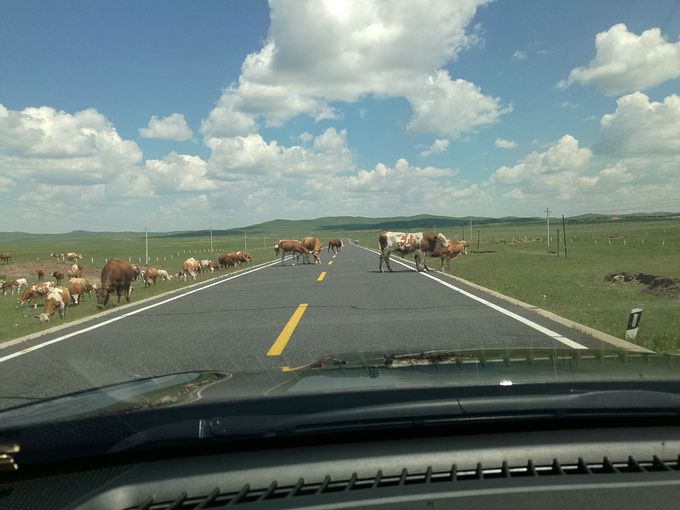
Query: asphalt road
[{"x": 256, "y": 318}]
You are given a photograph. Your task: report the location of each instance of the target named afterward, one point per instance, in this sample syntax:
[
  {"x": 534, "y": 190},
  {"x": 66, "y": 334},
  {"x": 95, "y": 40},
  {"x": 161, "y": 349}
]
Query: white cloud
[
  {"x": 173, "y": 127},
  {"x": 505, "y": 144},
  {"x": 437, "y": 147},
  {"x": 639, "y": 127},
  {"x": 519, "y": 55},
  {"x": 553, "y": 172},
  {"x": 178, "y": 172},
  {"x": 185, "y": 207},
  {"x": 626, "y": 62},
  {"x": 318, "y": 53},
  {"x": 57, "y": 147},
  {"x": 452, "y": 107}
]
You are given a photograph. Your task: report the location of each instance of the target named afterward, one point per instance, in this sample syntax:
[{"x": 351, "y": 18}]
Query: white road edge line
[
  {"x": 128, "y": 314},
  {"x": 552, "y": 334}
]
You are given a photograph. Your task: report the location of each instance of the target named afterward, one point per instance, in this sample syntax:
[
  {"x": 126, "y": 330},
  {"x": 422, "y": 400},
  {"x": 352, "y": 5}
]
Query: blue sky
[{"x": 189, "y": 115}]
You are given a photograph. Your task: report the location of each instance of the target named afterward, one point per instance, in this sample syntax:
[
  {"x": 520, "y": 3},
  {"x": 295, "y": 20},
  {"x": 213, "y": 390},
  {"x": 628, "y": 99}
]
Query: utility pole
[
  {"x": 146, "y": 241},
  {"x": 547, "y": 219},
  {"x": 211, "y": 245}
]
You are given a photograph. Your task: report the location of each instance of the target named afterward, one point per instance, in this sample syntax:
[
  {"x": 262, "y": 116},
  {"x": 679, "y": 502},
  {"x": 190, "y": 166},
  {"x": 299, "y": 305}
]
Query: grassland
[{"x": 512, "y": 258}]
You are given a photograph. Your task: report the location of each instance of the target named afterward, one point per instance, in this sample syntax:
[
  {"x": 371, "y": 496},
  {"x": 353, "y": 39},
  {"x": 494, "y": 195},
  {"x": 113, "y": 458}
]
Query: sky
[{"x": 188, "y": 115}]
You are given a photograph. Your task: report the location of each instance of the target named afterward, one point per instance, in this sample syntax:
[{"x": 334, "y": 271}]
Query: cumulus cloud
[
  {"x": 553, "y": 172},
  {"x": 178, "y": 172},
  {"x": 437, "y": 147},
  {"x": 318, "y": 53},
  {"x": 189, "y": 205},
  {"x": 625, "y": 62},
  {"x": 173, "y": 127},
  {"x": 505, "y": 144},
  {"x": 639, "y": 127},
  {"x": 58, "y": 147}
]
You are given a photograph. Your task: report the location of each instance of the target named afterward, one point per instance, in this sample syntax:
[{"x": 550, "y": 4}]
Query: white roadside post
[{"x": 633, "y": 323}]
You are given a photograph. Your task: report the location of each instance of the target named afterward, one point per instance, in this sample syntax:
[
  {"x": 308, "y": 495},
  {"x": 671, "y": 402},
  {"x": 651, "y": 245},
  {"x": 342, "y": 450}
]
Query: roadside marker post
[{"x": 633, "y": 323}]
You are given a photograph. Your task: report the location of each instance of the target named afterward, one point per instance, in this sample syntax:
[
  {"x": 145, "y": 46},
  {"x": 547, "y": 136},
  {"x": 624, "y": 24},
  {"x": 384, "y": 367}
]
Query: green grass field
[{"x": 511, "y": 258}]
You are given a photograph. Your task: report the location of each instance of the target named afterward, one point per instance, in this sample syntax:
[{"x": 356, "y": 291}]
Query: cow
[
  {"x": 56, "y": 299},
  {"x": 163, "y": 275},
  {"x": 75, "y": 289},
  {"x": 451, "y": 251},
  {"x": 76, "y": 271},
  {"x": 419, "y": 243},
  {"x": 314, "y": 247},
  {"x": 10, "y": 285},
  {"x": 58, "y": 256},
  {"x": 5, "y": 258},
  {"x": 88, "y": 285},
  {"x": 41, "y": 274},
  {"x": 150, "y": 274},
  {"x": 116, "y": 277},
  {"x": 336, "y": 245},
  {"x": 33, "y": 291},
  {"x": 59, "y": 276},
  {"x": 226, "y": 260},
  {"x": 294, "y": 247},
  {"x": 135, "y": 272},
  {"x": 191, "y": 267},
  {"x": 74, "y": 256}
]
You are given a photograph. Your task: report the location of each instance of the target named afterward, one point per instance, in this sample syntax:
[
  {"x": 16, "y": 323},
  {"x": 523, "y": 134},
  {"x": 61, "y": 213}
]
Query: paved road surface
[{"x": 256, "y": 318}]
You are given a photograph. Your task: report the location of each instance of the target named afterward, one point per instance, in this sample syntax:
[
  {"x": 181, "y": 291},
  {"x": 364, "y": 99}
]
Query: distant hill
[{"x": 334, "y": 224}]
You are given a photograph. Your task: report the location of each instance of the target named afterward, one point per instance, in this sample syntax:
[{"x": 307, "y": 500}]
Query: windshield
[{"x": 291, "y": 199}]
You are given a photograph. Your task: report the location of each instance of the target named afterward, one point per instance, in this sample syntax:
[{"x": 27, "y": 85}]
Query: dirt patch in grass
[{"x": 657, "y": 285}]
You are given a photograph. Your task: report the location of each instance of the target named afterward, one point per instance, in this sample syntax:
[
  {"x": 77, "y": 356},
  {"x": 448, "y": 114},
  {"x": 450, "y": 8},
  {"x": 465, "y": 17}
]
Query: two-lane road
[{"x": 276, "y": 315}]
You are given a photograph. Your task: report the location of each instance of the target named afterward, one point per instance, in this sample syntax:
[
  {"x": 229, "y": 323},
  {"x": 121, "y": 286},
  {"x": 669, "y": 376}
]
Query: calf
[
  {"x": 451, "y": 251},
  {"x": 56, "y": 299},
  {"x": 41, "y": 274},
  {"x": 163, "y": 275},
  {"x": 58, "y": 256},
  {"x": 5, "y": 286}
]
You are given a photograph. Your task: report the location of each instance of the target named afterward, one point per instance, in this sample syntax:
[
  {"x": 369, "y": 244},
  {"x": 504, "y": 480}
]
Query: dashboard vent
[{"x": 249, "y": 494}]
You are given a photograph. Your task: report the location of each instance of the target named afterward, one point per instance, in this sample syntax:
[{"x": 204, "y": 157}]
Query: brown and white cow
[
  {"x": 88, "y": 285},
  {"x": 293, "y": 247},
  {"x": 33, "y": 291},
  {"x": 116, "y": 277},
  {"x": 335, "y": 244},
  {"x": 191, "y": 267},
  {"x": 150, "y": 274},
  {"x": 76, "y": 271},
  {"x": 163, "y": 275},
  {"x": 58, "y": 256},
  {"x": 75, "y": 289},
  {"x": 56, "y": 299},
  {"x": 314, "y": 247},
  {"x": 10, "y": 285},
  {"x": 74, "y": 256},
  {"x": 418, "y": 243},
  {"x": 451, "y": 251},
  {"x": 5, "y": 258}
]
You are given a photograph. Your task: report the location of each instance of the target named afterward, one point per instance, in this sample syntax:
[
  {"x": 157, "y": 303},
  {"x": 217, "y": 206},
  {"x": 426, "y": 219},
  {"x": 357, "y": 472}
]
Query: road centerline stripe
[
  {"x": 282, "y": 340},
  {"x": 321, "y": 276}
]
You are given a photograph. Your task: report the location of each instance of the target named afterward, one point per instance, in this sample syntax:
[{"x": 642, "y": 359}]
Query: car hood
[{"x": 552, "y": 370}]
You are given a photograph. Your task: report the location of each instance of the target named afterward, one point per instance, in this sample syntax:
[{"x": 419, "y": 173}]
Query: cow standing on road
[{"x": 419, "y": 243}]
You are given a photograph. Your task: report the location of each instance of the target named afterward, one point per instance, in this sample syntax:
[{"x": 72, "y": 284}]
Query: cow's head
[
  {"x": 102, "y": 297},
  {"x": 43, "y": 317},
  {"x": 441, "y": 242}
]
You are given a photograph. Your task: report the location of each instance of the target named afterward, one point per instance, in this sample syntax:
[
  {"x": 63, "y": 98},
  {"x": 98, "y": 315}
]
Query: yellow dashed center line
[
  {"x": 321, "y": 276},
  {"x": 330, "y": 262},
  {"x": 285, "y": 335}
]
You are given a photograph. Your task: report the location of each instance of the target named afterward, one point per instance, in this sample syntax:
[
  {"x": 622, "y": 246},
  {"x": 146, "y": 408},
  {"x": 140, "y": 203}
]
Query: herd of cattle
[{"x": 117, "y": 275}]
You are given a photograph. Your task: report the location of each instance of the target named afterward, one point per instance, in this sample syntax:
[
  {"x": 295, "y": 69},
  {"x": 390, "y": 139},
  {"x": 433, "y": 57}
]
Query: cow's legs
[
  {"x": 385, "y": 258},
  {"x": 283, "y": 254}
]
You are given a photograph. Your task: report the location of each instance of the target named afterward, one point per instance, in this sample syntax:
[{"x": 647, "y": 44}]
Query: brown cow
[
  {"x": 41, "y": 273},
  {"x": 226, "y": 260},
  {"x": 116, "y": 277},
  {"x": 150, "y": 274},
  {"x": 75, "y": 289},
  {"x": 59, "y": 276},
  {"x": 73, "y": 256},
  {"x": 191, "y": 267},
  {"x": 335, "y": 244},
  {"x": 295, "y": 247},
  {"x": 5, "y": 258},
  {"x": 314, "y": 247},
  {"x": 451, "y": 251}
]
